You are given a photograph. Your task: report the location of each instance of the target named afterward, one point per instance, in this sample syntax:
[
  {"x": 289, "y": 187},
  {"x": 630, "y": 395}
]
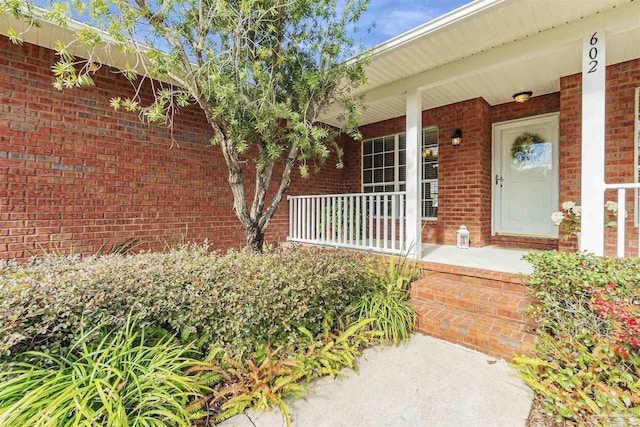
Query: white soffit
[{"x": 492, "y": 49}]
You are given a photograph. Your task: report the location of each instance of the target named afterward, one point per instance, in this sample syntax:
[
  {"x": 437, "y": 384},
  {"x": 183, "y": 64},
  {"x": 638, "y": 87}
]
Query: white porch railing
[
  {"x": 621, "y": 218},
  {"x": 367, "y": 221}
]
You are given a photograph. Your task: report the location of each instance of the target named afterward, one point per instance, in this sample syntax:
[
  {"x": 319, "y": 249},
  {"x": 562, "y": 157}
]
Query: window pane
[
  {"x": 402, "y": 141},
  {"x": 377, "y": 145},
  {"x": 389, "y": 175},
  {"x": 429, "y": 171},
  {"x": 378, "y": 161},
  {"x": 367, "y": 177},
  {"x": 367, "y": 147},
  {"x": 378, "y": 175},
  {"x": 430, "y": 137},
  {"x": 402, "y": 173},
  {"x": 367, "y": 162},
  {"x": 389, "y": 159},
  {"x": 389, "y": 143}
]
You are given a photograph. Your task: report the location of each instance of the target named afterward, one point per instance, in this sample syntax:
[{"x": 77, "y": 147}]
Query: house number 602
[{"x": 593, "y": 54}]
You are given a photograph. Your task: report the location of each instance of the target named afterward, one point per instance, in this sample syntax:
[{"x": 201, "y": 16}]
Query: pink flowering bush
[{"x": 624, "y": 315}]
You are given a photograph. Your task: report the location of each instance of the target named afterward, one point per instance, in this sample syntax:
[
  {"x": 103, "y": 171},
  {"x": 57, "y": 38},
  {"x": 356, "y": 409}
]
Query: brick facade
[{"x": 77, "y": 174}]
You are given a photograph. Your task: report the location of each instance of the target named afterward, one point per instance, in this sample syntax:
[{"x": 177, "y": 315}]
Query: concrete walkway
[{"x": 427, "y": 382}]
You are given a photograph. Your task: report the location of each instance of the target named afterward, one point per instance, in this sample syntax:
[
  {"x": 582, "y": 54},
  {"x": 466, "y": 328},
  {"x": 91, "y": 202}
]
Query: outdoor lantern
[
  {"x": 462, "y": 241},
  {"x": 456, "y": 138},
  {"x": 522, "y": 96}
]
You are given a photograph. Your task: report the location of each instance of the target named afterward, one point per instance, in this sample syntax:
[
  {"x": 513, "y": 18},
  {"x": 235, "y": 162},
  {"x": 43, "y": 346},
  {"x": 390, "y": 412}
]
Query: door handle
[{"x": 499, "y": 179}]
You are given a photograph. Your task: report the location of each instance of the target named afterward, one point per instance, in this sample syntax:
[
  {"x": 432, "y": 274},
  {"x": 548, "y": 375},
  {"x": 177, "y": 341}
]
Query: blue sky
[
  {"x": 394, "y": 17},
  {"x": 389, "y": 17}
]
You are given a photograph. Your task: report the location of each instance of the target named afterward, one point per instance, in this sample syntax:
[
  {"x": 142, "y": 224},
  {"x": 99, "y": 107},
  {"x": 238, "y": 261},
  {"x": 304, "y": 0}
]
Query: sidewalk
[{"x": 427, "y": 382}]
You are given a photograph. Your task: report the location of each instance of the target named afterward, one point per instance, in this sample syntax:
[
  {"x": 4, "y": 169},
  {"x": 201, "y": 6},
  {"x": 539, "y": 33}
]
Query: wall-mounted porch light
[
  {"x": 522, "y": 96},
  {"x": 462, "y": 238},
  {"x": 456, "y": 138}
]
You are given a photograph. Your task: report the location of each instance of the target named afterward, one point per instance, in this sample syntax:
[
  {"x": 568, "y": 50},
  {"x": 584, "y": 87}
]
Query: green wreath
[{"x": 522, "y": 147}]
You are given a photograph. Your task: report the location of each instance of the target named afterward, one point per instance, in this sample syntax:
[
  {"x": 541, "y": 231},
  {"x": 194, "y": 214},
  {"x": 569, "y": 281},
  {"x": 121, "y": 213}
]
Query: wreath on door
[{"x": 522, "y": 148}]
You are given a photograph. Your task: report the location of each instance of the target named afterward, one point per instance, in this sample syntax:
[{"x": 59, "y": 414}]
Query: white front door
[{"x": 525, "y": 176}]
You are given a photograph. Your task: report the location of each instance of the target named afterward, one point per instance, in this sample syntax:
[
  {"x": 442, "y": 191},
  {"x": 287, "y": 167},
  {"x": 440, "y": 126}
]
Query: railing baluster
[
  {"x": 378, "y": 206},
  {"x": 299, "y": 222},
  {"x": 313, "y": 219},
  {"x": 393, "y": 221},
  {"x": 341, "y": 213},
  {"x": 621, "y": 221},
  {"x": 402, "y": 222},
  {"x": 385, "y": 218},
  {"x": 333, "y": 219},
  {"x": 371, "y": 215},
  {"x": 291, "y": 216},
  {"x": 351, "y": 204},
  {"x": 358, "y": 231}
]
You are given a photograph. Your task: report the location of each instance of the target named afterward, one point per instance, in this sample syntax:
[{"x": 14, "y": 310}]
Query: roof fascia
[{"x": 434, "y": 25}]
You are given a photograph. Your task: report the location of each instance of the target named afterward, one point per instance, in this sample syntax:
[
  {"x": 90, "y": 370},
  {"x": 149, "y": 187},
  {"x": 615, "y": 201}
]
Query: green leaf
[{"x": 14, "y": 36}]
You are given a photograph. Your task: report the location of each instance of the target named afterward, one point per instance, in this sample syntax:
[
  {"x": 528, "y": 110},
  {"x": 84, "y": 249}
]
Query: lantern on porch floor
[{"x": 462, "y": 238}]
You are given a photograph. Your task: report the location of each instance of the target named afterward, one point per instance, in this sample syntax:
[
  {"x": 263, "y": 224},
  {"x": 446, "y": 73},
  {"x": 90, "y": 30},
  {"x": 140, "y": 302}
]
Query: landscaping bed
[
  {"x": 187, "y": 336},
  {"x": 586, "y": 366}
]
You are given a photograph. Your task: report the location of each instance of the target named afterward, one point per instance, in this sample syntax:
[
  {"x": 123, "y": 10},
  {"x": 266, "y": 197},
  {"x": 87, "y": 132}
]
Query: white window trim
[
  {"x": 397, "y": 184},
  {"x": 396, "y": 160}
]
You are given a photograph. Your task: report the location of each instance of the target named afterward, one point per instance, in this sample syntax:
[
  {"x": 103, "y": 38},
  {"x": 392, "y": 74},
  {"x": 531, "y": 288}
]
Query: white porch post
[
  {"x": 593, "y": 144},
  {"x": 414, "y": 173}
]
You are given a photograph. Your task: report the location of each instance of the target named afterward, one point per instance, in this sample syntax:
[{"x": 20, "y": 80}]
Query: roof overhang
[
  {"x": 48, "y": 33},
  {"x": 492, "y": 49}
]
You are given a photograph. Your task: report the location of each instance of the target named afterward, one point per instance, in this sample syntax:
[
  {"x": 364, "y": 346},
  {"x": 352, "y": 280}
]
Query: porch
[
  {"x": 377, "y": 222},
  {"x": 474, "y": 297}
]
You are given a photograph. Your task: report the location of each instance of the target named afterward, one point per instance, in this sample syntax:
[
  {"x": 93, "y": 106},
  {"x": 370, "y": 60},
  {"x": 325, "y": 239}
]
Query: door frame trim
[{"x": 494, "y": 154}]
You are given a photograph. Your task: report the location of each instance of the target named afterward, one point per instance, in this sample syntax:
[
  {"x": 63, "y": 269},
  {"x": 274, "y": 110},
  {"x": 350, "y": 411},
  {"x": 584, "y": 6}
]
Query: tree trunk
[{"x": 255, "y": 237}]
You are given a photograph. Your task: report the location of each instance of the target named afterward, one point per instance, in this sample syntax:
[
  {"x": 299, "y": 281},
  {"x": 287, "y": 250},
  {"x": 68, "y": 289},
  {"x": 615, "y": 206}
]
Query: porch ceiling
[{"x": 493, "y": 49}]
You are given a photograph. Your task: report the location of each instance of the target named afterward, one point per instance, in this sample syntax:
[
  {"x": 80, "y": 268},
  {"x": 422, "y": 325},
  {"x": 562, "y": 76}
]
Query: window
[
  {"x": 430, "y": 173},
  {"x": 384, "y": 167}
]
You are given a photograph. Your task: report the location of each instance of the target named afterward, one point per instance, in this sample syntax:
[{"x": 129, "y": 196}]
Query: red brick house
[{"x": 76, "y": 173}]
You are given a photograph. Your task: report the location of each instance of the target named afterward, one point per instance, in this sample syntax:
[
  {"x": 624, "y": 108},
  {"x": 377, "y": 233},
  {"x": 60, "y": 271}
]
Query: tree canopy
[{"x": 262, "y": 71}]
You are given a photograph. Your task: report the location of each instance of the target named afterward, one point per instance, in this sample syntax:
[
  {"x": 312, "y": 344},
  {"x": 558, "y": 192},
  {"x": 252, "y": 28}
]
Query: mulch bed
[{"x": 538, "y": 417}]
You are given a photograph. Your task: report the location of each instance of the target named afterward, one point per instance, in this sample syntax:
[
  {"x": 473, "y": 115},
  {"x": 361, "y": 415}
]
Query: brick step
[
  {"x": 505, "y": 304},
  {"x": 485, "y": 333},
  {"x": 475, "y": 276}
]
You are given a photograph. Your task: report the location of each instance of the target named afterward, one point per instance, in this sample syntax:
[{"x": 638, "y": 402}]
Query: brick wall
[
  {"x": 77, "y": 174},
  {"x": 621, "y": 81}
]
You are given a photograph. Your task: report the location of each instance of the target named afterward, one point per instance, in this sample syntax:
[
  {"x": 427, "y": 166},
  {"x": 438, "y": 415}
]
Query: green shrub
[
  {"x": 235, "y": 300},
  {"x": 116, "y": 381},
  {"x": 584, "y": 380},
  {"x": 562, "y": 283},
  {"x": 387, "y": 303}
]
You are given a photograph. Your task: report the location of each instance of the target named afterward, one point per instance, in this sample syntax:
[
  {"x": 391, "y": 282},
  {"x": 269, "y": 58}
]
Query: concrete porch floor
[{"x": 497, "y": 258}]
